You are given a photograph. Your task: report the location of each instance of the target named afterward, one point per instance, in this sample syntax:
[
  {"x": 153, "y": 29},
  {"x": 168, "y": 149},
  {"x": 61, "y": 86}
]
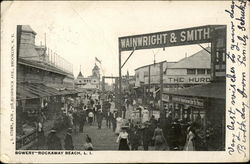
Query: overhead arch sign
[
  {"x": 214, "y": 34},
  {"x": 195, "y": 35}
]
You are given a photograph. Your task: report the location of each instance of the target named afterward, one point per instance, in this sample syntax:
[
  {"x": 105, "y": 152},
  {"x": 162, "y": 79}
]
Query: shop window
[
  {"x": 200, "y": 71},
  {"x": 191, "y": 71}
]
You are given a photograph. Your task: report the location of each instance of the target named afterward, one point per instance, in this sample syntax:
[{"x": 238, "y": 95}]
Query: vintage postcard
[{"x": 124, "y": 81}]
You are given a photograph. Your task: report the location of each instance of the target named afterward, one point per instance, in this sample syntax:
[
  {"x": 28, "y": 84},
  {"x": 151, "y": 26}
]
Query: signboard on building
[
  {"x": 186, "y": 79},
  {"x": 188, "y": 100},
  {"x": 165, "y": 97}
]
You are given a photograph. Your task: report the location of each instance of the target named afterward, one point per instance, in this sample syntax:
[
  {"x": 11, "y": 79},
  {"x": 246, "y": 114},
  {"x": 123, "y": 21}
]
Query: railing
[{"x": 25, "y": 140}]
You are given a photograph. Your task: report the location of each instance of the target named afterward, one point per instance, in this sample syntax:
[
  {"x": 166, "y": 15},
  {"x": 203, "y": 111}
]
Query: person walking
[
  {"x": 75, "y": 116},
  {"x": 119, "y": 122},
  {"x": 134, "y": 138},
  {"x": 108, "y": 119},
  {"x": 99, "y": 118},
  {"x": 107, "y": 114},
  {"x": 82, "y": 120},
  {"x": 189, "y": 146},
  {"x": 122, "y": 139},
  {"x": 145, "y": 136},
  {"x": 160, "y": 141},
  {"x": 70, "y": 117},
  {"x": 68, "y": 141},
  {"x": 53, "y": 141},
  {"x": 113, "y": 120},
  {"x": 40, "y": 134},
  {"x": 124, "y": 111},
  {"x": 90, "y": 117}
]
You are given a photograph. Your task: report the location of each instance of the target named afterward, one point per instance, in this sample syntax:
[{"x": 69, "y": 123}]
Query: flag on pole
[{"x": 99, "y": 61}]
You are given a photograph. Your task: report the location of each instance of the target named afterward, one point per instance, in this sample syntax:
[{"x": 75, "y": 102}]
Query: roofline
[
  {"x": 39, "y": 67},
  {"x": 193, "y": 55},
  {"x": 30, "y": 31},
  {"x": 153, "y": 64}
]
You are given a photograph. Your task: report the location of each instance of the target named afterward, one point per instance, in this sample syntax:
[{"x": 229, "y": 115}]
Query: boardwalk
[{"x": 102, "y": 139}]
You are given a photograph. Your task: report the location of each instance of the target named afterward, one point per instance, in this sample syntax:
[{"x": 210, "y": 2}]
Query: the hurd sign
[
  {"x": 194, "y": 35},
  {"x": 186, "y": 79},
  {"x": 202, "y": 79}
]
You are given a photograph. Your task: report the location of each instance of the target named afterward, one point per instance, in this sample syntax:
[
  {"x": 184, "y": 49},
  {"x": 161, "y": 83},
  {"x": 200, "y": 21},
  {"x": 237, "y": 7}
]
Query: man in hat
[
  {"x": 53, "y": 141},
  {"x": 82, "y": 120},
  {"x": 134, "y": 138},
  {"x": 113, "y": 120},
  {"x": 99, "y": 118},
  {"x": 68, "y": 141},
  {"x": 146, "y": 137}
]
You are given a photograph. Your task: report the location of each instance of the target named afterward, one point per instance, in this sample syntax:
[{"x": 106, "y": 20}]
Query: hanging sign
[{"x": 195, "y": 35}]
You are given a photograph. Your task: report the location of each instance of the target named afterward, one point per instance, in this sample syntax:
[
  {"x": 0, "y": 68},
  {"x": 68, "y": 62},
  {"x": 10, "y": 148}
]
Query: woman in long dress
[
  {"x": 189, "y": 146},
  {"x": 119, "y": 122},
  {"x": 160, "y": 141},
  {"x": 122, "y": 139}
]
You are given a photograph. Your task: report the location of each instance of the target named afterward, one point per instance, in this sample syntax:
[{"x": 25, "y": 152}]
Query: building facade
[
  {"x": 190, "y": 71},
  {"x": 90, "y": 82},
  {"x": 43, "y": 79}
]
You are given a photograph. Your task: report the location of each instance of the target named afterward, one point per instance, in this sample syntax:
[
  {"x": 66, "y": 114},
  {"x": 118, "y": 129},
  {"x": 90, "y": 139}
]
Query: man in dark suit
[{"x": 68, "y": 141}]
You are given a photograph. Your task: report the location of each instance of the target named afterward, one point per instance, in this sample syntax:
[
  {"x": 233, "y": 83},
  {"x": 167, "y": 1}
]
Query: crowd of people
[
  {"x": 75, "y": 114},
  {"x": 156, "y": 134}
]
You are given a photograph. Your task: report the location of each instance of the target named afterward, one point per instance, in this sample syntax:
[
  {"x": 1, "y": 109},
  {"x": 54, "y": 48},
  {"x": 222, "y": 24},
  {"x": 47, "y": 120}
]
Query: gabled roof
[
  {"x": 201, "y": 59},
  {"x": 96, "y": 67},
  {"x": 80, "y": 75},
  {"x": 27, "y": 28},
  {"x": 168, "y": 64}
]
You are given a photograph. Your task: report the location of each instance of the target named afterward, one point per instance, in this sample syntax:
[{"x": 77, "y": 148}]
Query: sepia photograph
[{"x": 128, "y": 76}]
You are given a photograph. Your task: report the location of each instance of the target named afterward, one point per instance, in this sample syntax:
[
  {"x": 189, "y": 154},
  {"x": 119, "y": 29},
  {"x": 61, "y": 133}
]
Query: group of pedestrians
[
  {"x": 54, "y": 141},
  {"x": 76, "y": 117},
  {"x": 145, "y": 135}
]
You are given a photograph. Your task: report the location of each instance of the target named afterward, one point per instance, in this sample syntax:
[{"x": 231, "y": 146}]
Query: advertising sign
[
  {"x": 185, "y": 79},
  {"x": 199, "y": 79},
  {"x": 189, "y": 101},
  {"x": 186, "y": 36}
]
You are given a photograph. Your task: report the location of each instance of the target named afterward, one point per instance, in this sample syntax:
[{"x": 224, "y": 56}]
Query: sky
[{"x": 80, "y": 31}]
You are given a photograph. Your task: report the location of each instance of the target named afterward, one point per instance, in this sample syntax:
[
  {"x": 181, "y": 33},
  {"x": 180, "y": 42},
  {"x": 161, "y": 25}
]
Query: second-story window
[
  {"x": 191, "y": 71},
  {"x": 201, "y": 71},
  {"x": 208, "y": 71}
]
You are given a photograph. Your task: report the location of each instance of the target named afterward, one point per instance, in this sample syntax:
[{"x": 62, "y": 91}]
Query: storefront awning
[
  {"x": 211, "y": 90},
  {"x": 68, "y": 92},
  {"x": 37, "y": 90}
]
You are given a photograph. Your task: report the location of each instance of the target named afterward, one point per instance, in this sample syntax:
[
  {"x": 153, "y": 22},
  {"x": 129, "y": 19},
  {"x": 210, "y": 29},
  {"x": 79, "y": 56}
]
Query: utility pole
[
  {"x": 120, "y": 83},
  {"x": 149, "y": 87},
  {"x": 103, "y": 83},
  {"x": 161, "y": 86}
]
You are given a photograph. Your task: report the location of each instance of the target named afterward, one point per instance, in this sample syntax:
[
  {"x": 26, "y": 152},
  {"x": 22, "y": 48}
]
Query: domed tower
[{"x": 96, "y": 72}]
